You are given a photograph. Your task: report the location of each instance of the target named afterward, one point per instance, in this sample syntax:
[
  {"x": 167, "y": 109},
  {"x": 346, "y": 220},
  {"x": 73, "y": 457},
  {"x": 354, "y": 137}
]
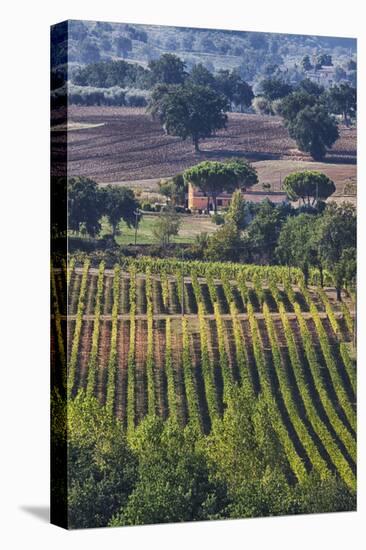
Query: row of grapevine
[
  {"x": 329, "y": 311},
  {"x": 331, "y": 363},
  {"x": 131, "y": 355},
  {"x": 69, "y": 271},
  {"x": 334, "y": 322},
  {"x": 234, "y": 270},
  {"x": 172, "y": 400},
  {"x": 92, "y": 369},
  {"x": 318, "y": 425},
  {"x": 240, "y": 351},
  {"x": 226, "y": 372},
  {"x": 295, "y": 461},
  {"x": 347, "y": 317},
  {"x": 112, "y": 363},
  {"x": 189, "y": 382},
  {"x": 150, "y": 346},
  {"x": 165, "y": 290},
  {"x": 331, "y": 411},
  {"x": 58, "y": 329},
  {"x": 77, "y": 332},
  {"x": 207, "y": 367},
  {"x": 310, "y": 447}
]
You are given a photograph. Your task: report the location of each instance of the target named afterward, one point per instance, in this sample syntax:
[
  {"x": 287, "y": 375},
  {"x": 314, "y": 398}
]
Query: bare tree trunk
[
  {"x": 321, "y": 276},
  {"x": 196, "y": 144},
  {"x": 339, "y": 293}
]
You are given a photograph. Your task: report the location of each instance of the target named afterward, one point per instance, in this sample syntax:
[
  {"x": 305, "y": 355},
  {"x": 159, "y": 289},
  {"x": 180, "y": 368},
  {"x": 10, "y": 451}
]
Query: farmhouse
[
  {"x": 325, "y": 76},
  {"x": 197, "y": 200}
]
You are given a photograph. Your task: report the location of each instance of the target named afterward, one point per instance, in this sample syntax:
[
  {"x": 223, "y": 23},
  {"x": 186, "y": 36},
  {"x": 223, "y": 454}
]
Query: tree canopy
[
  {"x": 298, "y": 243},
  {"x": 224, "y": 244},
  {"x": 189, "y": 111},
  {"x": 273, "y": 88},
  {"x": 337, "y": 243},
  {"x": 87, "y": 203},
  {"x": 263, "y": 232},
  {"x": 166, "y": 226},
  {"x": 168, "y": 69},
  {"x": 118, "y": 203},
  {"x": 175, "y": 189},
  {"x": 310, "y": 186},
  {"x": 236, "y": 90},
  {"x": 238, "y": 211},
  {"x": 314, "y": 130},
  {"x": 84, "y": 205},
  {"x": 343, "y": 101}
]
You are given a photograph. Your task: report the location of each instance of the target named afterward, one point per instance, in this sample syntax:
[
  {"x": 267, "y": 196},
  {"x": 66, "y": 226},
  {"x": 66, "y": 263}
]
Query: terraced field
[{"x": 174, "y": 339}]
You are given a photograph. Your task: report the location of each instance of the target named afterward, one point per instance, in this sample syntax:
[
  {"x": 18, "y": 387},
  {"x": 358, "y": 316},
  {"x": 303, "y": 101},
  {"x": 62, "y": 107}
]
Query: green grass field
[{"x": 190, "y": 227}]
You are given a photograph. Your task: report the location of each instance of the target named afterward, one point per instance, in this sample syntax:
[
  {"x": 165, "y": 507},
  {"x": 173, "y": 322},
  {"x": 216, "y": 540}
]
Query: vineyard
[{"x": 175, "y": 338}]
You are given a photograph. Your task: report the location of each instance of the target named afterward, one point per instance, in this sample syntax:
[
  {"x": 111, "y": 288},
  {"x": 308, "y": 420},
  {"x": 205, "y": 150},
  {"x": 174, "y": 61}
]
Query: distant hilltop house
[
  {"x": 197, "y": 200},
  {"x": 325, "y": 76}
]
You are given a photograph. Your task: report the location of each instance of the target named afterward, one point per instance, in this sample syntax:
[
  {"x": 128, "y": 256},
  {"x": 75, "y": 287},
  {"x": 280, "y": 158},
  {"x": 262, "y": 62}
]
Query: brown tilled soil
[{"x": 129, "y": 146}]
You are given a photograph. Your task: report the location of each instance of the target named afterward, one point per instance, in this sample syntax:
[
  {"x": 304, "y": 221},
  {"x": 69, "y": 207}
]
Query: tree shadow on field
[
  {"x": 40, "y": 512},
  {"x": 224, "y": 153}
]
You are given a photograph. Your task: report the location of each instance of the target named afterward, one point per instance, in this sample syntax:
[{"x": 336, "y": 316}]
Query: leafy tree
[
  {"x": 317, "y": 495},
  {"x": 197, "y": 249},
  {"x": 263, "y": 232},
  {"x": 168, "y": 69},
  {"x": 174, "y": 482},
  {"x": 213, "y": 177},
  {"x": 273, "y": 88},
  {"x": 298, "y": 243},
  {"x": 352, "y": 65},
  {"x": 236, "y": 90},
  {"x": 174, "y": 188},
  {"x": 224, "y": 244},
  {"x": 309, "y": 186},
  {"x": 238, "y": 213},
  {"x": 201, "y": 76},
  {"x": 118, "y": 204},
  {"x": 337, "y": 243},
  {"x": 310, "y": 87},
  {"x": 291, "y": 105},
  {"x": 77, "y": 30},
  {"x": 243, "y": 444},
  {"x": 244, "y": 453},
  {"x": 101, "y": 469},
  {"x": 89, "y": 51},
  {"x": 305, "y": 63},
  {"x": 123, "y": 45},
  {"x": 343, "y": 101},
  {"x": 189, "y": 111},
  {"x": 84, "y": 205},
  {"x": 166, "y": 226},
  {"x": 106, "y": 74},
  {"x": 314, "y": 130}
]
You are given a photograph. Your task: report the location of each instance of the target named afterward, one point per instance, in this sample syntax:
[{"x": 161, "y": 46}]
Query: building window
[{"x": 219, "y": 202}]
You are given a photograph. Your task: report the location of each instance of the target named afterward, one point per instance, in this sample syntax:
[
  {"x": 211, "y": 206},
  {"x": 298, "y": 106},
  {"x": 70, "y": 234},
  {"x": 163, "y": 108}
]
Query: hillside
[
  {"x": 249, "y": 52},
  {"x": 128, "y": 344},
  {"x": 111, "y": 144}
]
